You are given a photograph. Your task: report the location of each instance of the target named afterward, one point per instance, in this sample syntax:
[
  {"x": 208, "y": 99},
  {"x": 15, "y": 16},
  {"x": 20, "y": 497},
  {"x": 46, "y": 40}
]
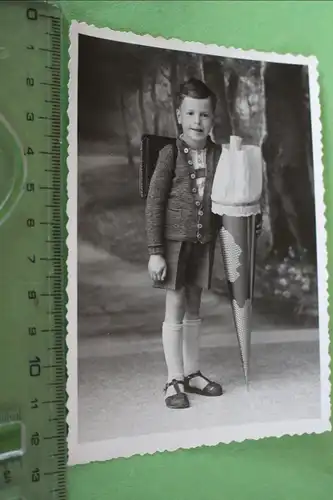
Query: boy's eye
[{"x": 203, "y": 115}]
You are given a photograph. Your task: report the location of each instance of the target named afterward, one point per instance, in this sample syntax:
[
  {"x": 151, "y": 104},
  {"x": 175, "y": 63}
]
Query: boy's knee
[
  {"x": 174, "y": 310},
  {"x": 176, "y": 296},
  {"x": 193, "y": 302},
  {"x": 193, "y": 294},
  {"x": 192, "y": 315}
]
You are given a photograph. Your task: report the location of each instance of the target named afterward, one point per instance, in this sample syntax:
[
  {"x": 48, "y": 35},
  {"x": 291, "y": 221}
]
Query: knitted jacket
[{"x": 174, "y": 211}]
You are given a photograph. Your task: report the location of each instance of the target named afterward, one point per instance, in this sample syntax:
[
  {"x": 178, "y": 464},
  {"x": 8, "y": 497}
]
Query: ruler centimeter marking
[{"x": 39, "y": 472}]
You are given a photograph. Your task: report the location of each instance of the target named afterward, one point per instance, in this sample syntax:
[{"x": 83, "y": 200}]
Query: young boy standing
[{"x": 181, "y": 235}]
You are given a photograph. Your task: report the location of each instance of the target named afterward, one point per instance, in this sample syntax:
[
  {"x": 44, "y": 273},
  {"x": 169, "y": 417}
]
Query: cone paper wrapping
[
  {"x": 236, "y": 194},
  {"x": 238, "y": 246}
]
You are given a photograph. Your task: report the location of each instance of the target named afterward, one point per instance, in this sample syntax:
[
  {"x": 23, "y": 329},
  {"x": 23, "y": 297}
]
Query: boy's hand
[{"x": 157, "y": 267}]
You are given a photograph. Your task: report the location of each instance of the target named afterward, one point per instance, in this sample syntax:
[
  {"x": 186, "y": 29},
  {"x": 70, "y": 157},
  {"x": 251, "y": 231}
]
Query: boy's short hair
[{"x": 196, "y": 89}]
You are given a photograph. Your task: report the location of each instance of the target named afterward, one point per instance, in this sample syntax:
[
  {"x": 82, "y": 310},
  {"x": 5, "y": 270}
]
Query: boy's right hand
[{"x": 157, "y": 267}]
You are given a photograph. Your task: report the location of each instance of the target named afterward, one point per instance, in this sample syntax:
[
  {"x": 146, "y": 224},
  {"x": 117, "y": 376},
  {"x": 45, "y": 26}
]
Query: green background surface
[{"x": 271, "y": 469}]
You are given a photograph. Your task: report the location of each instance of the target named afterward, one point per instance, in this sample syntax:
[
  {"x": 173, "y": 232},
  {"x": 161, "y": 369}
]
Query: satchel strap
[{"x": 175, "y": 154}]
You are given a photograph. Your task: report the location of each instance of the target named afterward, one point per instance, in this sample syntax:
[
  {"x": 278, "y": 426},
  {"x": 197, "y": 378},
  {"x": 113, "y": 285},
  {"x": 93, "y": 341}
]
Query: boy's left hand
[{"x": 258, "y": 225}]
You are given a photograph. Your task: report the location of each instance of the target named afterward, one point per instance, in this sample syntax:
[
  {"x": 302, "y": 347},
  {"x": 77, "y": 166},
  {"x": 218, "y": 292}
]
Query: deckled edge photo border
[{"x": 80, "y": 453}]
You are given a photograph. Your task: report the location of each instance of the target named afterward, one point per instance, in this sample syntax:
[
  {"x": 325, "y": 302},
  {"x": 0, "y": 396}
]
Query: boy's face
[{"x": 196, "y": 118}]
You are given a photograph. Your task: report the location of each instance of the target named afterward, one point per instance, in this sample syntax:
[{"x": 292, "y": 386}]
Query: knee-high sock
[
  {"x": 172, "y": 344},
  {"x": 191, "y": 345}
]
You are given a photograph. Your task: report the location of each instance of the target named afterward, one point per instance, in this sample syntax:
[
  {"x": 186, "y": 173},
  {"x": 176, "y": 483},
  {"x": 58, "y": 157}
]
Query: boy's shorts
[{"x": 187, "y": 264}]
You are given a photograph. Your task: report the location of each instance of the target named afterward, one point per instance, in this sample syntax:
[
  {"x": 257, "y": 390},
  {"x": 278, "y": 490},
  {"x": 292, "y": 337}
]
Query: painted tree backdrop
[{"x": 127, "y": 90}]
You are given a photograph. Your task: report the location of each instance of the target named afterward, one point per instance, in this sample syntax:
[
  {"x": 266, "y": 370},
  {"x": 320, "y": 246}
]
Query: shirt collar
[{"x": 182, "y": 144}]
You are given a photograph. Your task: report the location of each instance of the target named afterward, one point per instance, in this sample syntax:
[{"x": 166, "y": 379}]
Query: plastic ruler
[{"x": 33, "y": 451}]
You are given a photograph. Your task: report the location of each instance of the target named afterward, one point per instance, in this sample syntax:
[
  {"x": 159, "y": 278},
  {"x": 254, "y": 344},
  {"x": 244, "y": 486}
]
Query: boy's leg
[
  {"x": 191, "y": 334},
  {"x": 172, "y": 336},
  {"x": 191, "y": 345}
]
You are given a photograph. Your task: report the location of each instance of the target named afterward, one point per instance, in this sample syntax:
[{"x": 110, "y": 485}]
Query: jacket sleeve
[{"x": 157, "y": 200}]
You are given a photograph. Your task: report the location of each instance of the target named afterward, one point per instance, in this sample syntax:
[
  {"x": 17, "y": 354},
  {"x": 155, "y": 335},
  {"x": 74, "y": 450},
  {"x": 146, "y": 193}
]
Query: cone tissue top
[{"x": 238, "y": 181}]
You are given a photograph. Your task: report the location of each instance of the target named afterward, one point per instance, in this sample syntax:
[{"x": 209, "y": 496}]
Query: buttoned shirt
[
  {"x": 199, "y": 163},
  {"x": 198, "y": 157}
]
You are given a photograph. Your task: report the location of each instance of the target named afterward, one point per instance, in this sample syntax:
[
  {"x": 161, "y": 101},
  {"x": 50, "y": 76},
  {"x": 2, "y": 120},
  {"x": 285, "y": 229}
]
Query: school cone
[
  {"x": 236, "y": 194},
  {"x": 238, "y": 247}
]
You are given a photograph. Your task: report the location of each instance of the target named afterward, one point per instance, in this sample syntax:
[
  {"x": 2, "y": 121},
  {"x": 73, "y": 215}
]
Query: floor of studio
[{"x": 121, "y": 376}]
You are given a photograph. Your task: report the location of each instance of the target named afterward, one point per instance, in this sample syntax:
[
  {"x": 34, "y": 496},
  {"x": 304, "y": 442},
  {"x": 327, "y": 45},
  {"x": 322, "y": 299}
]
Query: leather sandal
[
  {"x": 211, "y": 389},
  {"x": 179, "y": 400}
]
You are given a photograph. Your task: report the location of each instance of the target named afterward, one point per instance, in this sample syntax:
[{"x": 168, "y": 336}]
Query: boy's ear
[{"x": 178, "y": 116}]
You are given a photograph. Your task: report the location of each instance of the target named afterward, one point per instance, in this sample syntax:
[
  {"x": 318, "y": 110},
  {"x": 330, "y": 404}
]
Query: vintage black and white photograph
[{"x": 197, "y": 294}]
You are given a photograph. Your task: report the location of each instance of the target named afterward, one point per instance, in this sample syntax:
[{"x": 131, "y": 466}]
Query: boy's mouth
[{"x": 197, "y": 129}]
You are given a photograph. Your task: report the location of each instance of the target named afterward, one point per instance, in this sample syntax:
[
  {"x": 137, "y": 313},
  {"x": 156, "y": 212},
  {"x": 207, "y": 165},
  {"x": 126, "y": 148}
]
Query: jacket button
[
  {"x": 192, "y": 176},
  {"x": 190, "y": 162},
  {"x": 200, "y": 212},
  {"x": 194, "y": 190},
  {"x": 185, "y": 150},
  {"x": 199, "y": 226},
  {"x": 197, "y": 203},
  {"x": 199, "y": 236}
]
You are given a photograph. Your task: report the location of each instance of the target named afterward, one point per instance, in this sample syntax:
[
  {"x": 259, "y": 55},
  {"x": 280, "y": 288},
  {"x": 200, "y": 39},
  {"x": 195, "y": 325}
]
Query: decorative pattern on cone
[
  {"x": 232, "y": 255},
  {"x": 238, "y": 247},
  {"x": 243, "y": 322}
]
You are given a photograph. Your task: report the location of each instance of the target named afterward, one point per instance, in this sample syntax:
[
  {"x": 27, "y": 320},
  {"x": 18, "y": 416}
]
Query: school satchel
[
  {"x": 151, "y": 146},
  {"x": 238, "y": 181}
]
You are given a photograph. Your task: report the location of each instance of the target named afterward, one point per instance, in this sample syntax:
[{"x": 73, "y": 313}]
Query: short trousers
[{"x": 187, "y": 264}]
